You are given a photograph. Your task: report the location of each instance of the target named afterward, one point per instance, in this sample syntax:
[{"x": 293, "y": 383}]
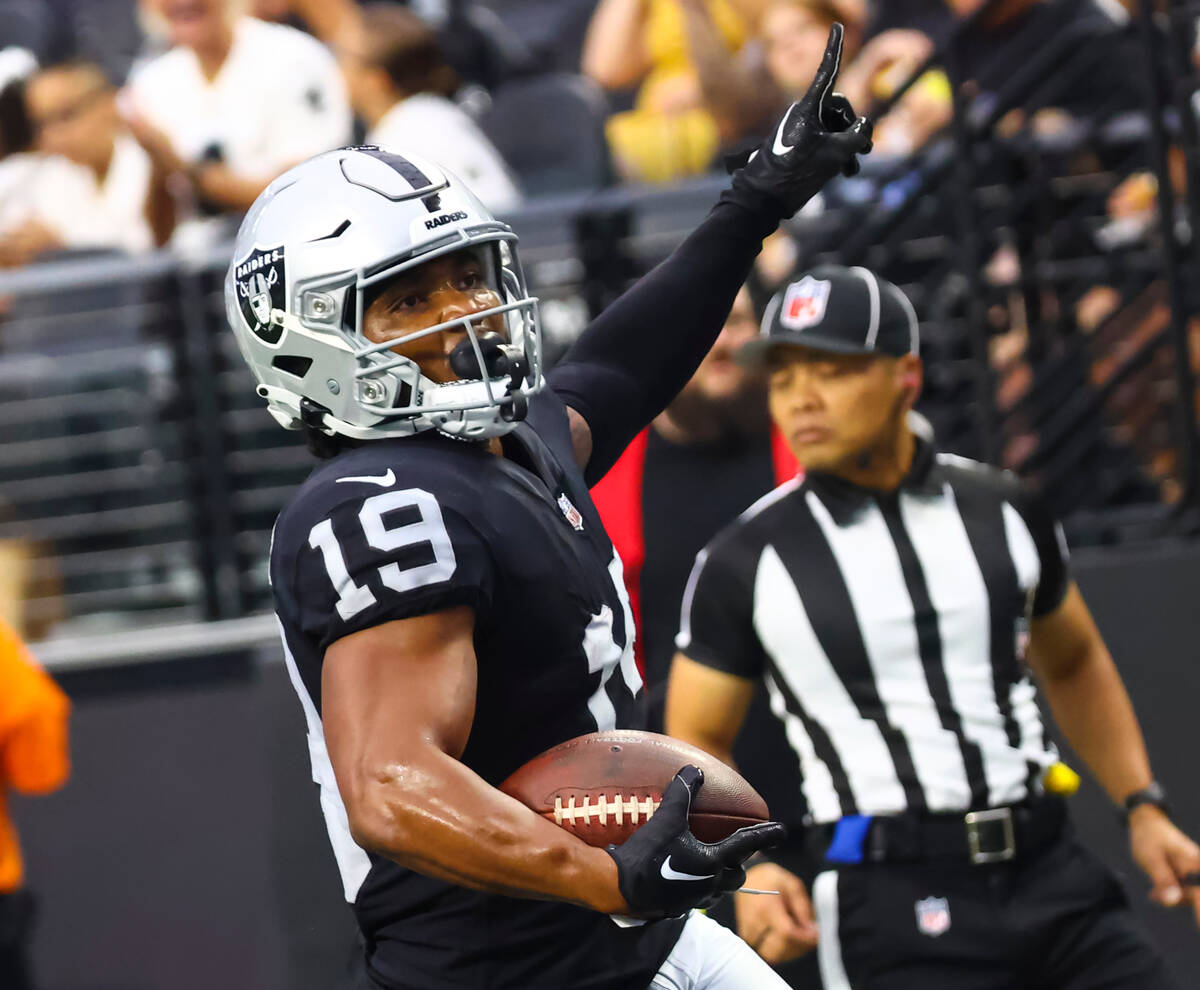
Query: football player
[{"x": 449, "y": 601}]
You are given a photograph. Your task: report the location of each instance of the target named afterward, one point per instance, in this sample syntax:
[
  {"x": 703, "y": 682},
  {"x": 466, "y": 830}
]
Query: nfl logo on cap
[
  {"x": 804, "y": 303},
  {"x": 933, "y": 916}
]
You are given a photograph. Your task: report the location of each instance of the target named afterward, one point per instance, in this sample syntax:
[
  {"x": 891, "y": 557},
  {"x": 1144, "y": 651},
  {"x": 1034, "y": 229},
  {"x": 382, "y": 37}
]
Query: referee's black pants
[
  {"x": 1056, "y": 919},
  {"x": 16, "y": 925}
]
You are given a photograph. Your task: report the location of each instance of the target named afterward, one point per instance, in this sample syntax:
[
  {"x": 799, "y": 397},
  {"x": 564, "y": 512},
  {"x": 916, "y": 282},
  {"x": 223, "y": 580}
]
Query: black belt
[{"x": 993, "y": 835}]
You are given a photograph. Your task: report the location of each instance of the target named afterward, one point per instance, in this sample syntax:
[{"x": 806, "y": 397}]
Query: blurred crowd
[{"x": 132, "y": 125}]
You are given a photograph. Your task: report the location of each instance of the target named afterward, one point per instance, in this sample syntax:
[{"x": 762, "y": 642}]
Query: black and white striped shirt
[{"x": 891, "y": 631}]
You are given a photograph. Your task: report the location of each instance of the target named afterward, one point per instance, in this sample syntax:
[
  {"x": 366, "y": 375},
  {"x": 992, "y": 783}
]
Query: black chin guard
[{"x": 500, "y": 359}]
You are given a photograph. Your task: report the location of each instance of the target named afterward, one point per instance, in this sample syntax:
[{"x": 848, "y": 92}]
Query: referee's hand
[
  {"x": 781, "y": 928},
  {"x": 1169, "y": 858}
]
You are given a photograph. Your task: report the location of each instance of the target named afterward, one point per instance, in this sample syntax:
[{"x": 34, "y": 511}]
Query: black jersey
[{"x": 404, "y": 527}]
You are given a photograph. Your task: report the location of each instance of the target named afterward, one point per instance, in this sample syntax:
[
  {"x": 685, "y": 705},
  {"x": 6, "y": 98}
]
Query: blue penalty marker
[{"x": 849, "y": 835}]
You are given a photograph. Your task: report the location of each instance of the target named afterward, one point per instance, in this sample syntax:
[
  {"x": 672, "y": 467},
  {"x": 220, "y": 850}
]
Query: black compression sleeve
[{"x": 635, "y": 356}]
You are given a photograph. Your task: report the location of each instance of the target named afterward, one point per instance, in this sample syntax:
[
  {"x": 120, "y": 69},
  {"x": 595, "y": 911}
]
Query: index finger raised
[{"x": 827, "y": 73}]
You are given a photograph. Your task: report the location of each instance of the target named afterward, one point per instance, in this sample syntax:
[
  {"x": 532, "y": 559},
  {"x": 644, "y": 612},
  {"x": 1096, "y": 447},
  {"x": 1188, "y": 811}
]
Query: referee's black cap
[{"x": 842, "y": 310}]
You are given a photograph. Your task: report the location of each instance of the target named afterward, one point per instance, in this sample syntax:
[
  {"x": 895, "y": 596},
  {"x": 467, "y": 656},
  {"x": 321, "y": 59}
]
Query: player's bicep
[
  {"x": 392, "y": 694},
  {"x": 581, "y": 437},
  {"x": 705, "y": 706}
]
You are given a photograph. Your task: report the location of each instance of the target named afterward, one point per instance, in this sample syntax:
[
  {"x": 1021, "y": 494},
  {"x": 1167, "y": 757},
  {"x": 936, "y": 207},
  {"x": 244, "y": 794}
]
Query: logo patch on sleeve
[
  {"x": 804, "y": 303},
  {"x": 262, "y": 289},
  {"x": 570, "y": 513}
]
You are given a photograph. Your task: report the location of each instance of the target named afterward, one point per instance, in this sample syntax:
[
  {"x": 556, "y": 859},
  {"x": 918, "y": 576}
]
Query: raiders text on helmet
[{"x": 318, "y": 240}]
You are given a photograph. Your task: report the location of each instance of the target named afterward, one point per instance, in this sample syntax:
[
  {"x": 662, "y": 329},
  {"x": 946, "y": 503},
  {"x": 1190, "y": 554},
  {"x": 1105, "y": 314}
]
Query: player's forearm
[
  {"x": 325, "y": 18},
  {"x": 614, "y": 51},
  {"x": 1092, "y": 708},
  {"x": 439, "y": 818},
  {"x": 217, "y": 183},
  {"x": 159, "y": 209},
  {"x": 635, "y": 356},
  {"x": 733, "y": 94}
]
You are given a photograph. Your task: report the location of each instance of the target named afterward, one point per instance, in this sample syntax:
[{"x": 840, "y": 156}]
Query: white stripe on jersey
[
  {"x": 787, "y": 635},
  {"x": 959, "y": 596},
  {"x": 815, "y": 779},
  {"x": 773, "y": 496},
  {"x": 629, "y": 670},
  {"x": 683, "y": 639},
  {"x": 1022, "y": 548},
  {"x": 1023, "y": 695},
  {"x": 870, "y": 566},
  {"x": 829, "y": 948},
  {"x": 352, "y": 861},
  {"x": 603, "y": 655}
]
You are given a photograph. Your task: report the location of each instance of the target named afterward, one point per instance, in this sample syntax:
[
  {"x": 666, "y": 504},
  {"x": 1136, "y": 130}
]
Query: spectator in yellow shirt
[{"x": 671, "y": 131}]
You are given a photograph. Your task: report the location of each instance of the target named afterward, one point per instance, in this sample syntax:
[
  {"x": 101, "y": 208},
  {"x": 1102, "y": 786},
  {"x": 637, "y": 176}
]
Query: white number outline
[{"x": 429, "y": 528}]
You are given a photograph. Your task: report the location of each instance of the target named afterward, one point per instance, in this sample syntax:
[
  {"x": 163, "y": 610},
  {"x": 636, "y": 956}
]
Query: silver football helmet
[{"x": 327, "y": 234}]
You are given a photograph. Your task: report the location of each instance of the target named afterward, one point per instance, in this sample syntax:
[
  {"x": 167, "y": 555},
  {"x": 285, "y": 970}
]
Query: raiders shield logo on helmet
[{"x": 261, "y": 287}]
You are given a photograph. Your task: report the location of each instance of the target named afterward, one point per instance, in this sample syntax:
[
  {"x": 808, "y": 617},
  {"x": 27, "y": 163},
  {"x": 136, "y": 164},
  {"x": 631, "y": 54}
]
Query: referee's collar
[{"x": 845, "y": 500}]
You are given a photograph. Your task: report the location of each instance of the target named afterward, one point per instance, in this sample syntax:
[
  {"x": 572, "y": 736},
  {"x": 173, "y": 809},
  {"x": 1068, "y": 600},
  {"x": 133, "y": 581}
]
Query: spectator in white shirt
[
  {"x": 17, "y": 163},
  {"x": 235, "y": 101},
  {"x": 400, "y": 85},
  {"x": 90, "y": 184}
]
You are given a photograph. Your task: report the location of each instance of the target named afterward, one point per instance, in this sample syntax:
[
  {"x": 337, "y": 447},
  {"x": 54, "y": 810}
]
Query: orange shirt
[{"x": 34, "y": 753}]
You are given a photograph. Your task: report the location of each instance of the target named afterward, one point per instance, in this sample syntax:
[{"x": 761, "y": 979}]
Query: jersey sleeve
[
  {"x": 1052, "y": 552},
  {"x": 385, "y": 556},
  {"x": 716, "y": 627}
]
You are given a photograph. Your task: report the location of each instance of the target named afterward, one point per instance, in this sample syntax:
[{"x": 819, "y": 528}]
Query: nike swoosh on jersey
[
  {"x": 670, "y": 873},
  {"x": 382, "y": 480}
]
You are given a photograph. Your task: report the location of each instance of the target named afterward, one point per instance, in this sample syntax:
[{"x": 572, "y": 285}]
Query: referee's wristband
[{"x": 1152, "y": 794}]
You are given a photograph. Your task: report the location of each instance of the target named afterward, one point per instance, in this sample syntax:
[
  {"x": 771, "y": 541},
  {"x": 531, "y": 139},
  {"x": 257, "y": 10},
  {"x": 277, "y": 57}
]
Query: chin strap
[
  {"x": 498, "y": 360},
  {"x": 313, "y": 415}
]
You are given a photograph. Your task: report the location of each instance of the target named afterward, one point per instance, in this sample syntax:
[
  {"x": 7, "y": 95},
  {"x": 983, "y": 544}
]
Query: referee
[{"x": 897, "y": 601}]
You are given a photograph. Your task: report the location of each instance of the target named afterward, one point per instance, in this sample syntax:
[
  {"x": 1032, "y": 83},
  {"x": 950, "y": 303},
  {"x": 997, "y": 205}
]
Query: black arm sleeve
[{"x": 635, "y": 356}]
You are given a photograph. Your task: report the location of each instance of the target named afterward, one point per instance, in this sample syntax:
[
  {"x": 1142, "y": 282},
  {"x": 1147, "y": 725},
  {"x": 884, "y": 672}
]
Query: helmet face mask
[{"x": 347, "y": 224}]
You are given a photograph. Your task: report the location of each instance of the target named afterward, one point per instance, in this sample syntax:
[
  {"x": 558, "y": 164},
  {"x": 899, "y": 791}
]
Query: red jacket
[{"x": 618, "y": 499}]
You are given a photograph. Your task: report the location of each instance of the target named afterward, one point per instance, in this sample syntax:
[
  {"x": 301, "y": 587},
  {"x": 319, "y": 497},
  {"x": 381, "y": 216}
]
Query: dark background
[{"x": 188, "y": 853}]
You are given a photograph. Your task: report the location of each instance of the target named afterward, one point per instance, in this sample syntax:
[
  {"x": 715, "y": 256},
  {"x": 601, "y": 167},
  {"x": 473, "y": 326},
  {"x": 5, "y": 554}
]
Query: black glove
[
  {"x": 817, "y": 138},
  {"x": 663, "y": 870}
]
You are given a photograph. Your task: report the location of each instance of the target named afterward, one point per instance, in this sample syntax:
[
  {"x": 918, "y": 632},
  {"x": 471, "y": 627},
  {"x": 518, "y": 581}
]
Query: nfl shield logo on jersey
[
  {"x": 261, "y": 289},
  {"x": 933, "y": 916},
  {"x": 804, "y": 303},
  {"x": 572, "y": 514}
]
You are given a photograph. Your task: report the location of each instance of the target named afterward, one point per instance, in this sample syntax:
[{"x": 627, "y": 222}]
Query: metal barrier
[{"x": 140, "y": 475}]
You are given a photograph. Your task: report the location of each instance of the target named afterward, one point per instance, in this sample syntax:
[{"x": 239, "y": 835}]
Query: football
[{"x": 602, "y": 786}]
